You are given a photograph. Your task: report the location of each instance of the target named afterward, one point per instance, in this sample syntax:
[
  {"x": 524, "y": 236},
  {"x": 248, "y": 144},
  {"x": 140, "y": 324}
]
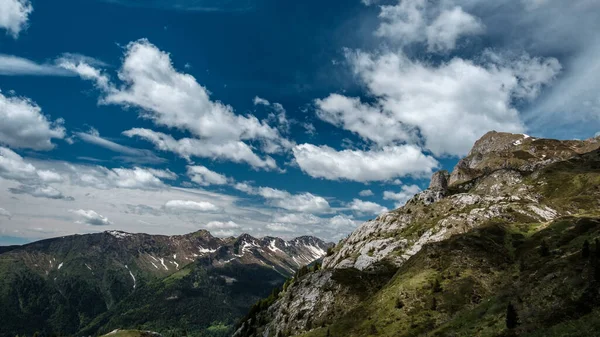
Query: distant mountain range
[{"x": 92, "y": 284}]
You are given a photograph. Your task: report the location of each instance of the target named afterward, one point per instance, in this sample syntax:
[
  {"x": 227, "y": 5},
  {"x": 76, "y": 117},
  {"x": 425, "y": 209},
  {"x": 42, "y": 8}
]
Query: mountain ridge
[
  {"x": 509, "y": 190},
  {"x": 82, "y": 281}
]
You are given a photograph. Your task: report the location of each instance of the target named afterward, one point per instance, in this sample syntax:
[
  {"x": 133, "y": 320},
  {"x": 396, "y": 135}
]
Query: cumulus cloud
[
  {"x": 450, "y": 104},
  {"x": 235, "y": 151},
  {"x": 437, "y": 25},
  {"x": 365, "y": 193},
  {"x": 363, "y": 166},
  {"x": 33, "y": 181},
  {"x": 303, "y": 202},
  {"x": 129, "y": 154},
  {"x": 406, "y": 192},
  {"x": 14, "y": 15},
  {"x": 191, "y": 206},
  {"x": 90, "y": 217},
  {"x": 449, "y": 26},
  {"x": 176, "y": 100},
  {"x": 24, "y": 126},
  {"x": 205, "y": 177},
  {"x": 366, "y": 207}
]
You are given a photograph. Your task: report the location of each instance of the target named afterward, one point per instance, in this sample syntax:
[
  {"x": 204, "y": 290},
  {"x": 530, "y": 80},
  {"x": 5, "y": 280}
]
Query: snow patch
[
  {"x": 273, "y": 247},
  {"x": 162, "y": 261},
  {"x": 205, "y": 250},
  {"x": 60, "y": 265},
  {"x": 119, "y": 234},
  {"x": 133, "y": 277}
]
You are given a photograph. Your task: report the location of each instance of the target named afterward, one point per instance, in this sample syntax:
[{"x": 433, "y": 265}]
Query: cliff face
[{"x": 508, "y": 179}]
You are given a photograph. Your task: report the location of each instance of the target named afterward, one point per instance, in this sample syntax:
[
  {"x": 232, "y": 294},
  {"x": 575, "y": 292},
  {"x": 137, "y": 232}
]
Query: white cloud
[
  {"x": 188, "y": 205},
  {"x": 438, "y": 25},
  {"x": 5, "y": 213},
  {"x": 103, "y": 178},
  {"x": 14, "y": 15},
  {"x": 11, "y": 65},
  {"x": 244, "y": 187},
  {"x": 235, "y": 151},
  {"x": 176, "y": 100},
  {"x": 163, "y": 174},
  {"x": 369, "y": 122},
  {"x": 39, "y": 191},
  {"x": 363, "y": 166},
  {"x": 342, "y": 222},
  {"x": 90, "y": 217},
  {"x": 33, "y": 180},
  {"x": 24, "y": 126},
  {"x": 278, "y": 227},
  {"x": 278, "y": 115},
  {"x": 205, "y": 177},
  {"x": 365, "y": 193},
  {"x": 260, "y": 101},
  {"x": 303, "y": 202},
  {"x": 451, "y": 104},
  {"x": 222, "y": 225},
  {"x": 451, "y": 24},
  {"x": 130, "y": 154},
  {"x": 366, "y": 207},
  {"x": 297, "y": 218},
  {"x": 406, "y": 192}
]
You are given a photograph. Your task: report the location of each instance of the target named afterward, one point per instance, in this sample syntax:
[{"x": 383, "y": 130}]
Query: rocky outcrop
[
  {"x": 501, "y": 180},
  {"x": 500, "y": 150}
]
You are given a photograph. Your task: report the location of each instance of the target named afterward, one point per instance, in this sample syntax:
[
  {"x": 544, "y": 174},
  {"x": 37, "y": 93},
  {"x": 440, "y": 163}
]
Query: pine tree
[
  {"x": 512, "y": 319},
  {"x": 544, "y": 249},
  {"x": 585, "y": 251},
  {"x": 328, "y": 333},
  {"x": 597, "y": 244}
]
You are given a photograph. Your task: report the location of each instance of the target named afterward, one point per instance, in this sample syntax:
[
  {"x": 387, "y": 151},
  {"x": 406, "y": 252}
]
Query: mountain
[
  {"x": 83, "y": 283},
  {"x": 506, "y": 244}
]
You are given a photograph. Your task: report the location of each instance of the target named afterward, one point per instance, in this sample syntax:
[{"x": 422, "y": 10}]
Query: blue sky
[{"x": 269, "y": 117}]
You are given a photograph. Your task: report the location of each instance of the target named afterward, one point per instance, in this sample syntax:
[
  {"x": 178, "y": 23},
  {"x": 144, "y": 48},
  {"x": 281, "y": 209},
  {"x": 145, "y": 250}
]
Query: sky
[{"x": 269, "y": 117}]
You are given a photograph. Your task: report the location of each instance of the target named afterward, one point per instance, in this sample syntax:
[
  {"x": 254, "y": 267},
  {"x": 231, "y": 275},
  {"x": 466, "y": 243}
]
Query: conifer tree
[
  {"x": 544, "y": 249},
  {"x": 585, "y": 251},
  {"x": 512, "y": 319}
]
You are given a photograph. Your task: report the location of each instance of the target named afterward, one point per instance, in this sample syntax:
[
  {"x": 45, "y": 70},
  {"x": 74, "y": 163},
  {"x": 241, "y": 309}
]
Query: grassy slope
[
  {"x": 479, "y": 274},
  {"x": 482, "y": 271},
  {"x": 197, "y": 300}
]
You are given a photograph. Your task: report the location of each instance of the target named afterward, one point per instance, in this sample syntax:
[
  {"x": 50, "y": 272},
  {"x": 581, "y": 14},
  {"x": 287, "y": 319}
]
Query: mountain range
[{"x": 95, "y": 283}]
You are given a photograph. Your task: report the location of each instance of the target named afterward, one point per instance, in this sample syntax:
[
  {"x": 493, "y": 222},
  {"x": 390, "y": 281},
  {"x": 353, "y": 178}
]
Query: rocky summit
[
  {"x": 506, "y": 244},
  {"x": 96, "y": 283}
]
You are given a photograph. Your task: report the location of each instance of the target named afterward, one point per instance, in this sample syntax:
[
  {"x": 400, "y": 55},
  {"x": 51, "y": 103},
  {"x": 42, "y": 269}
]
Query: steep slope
[
  {"x": 62, "y": 285},
  {"x": 482, "y": 221}
]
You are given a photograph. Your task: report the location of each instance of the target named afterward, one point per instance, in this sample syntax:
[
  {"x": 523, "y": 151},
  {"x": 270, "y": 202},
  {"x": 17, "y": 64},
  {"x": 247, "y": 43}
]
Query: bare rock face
[
  {"x": 439, "y": 181},
  {"x": 500, "y": 150}
]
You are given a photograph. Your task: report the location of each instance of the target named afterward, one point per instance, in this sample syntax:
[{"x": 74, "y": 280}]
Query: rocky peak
[
  {"x": 519, "y": 152},
  {"x": 439, "y": 181}
]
